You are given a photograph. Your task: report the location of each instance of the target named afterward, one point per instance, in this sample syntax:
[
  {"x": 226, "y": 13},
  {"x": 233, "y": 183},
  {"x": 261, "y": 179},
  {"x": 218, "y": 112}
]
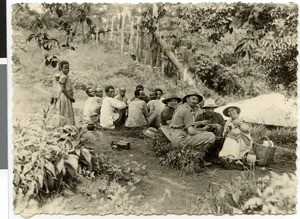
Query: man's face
[
  {"x": 111, "y": 92},
  {"x": 65, "y": 69},
  {"x": 91, "y": 92},
  {"x": 152, "y": 95},
  {"x": 142, "y": 95},
  {"x": 192, "y": 101},
  {"x": 99, "y": 93},
  {"x": 158, "y": 94},
  {"x": 209, "y": 110},
  {"x": 172, "y": 103},
  {"x": 122, "y": 93}
]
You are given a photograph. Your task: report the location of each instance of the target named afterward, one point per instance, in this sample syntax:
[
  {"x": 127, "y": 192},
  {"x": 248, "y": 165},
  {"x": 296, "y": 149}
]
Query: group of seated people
[
  {"x": 115, "y": 110},
  {"x": 175, "y": 117}
]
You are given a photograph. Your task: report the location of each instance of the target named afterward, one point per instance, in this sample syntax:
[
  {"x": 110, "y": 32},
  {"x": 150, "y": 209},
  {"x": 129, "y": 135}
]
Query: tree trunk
[
  {"x": 131, "y": 46},
  {"x": 83, "y": 40},
  {"x": 137, "y": 38},
  {"x": 184, "y": 73},
  {"x": 112, "y": 29},
  {"x": 122, "y": 32},
  {"x": 97, "y": 35}
]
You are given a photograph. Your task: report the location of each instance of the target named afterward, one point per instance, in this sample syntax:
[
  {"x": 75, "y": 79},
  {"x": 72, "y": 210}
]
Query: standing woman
[
  {"x": 66, "y": 94},
  {"x": 238, "y": 141}
]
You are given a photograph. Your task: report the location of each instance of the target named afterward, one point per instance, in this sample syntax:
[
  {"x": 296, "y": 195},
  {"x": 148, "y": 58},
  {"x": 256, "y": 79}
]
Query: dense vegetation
[{"x": 233, "y": 49}]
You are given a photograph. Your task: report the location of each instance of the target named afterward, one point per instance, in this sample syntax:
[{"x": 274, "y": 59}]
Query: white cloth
[
  {"x": 237, "y": 143},
  {"x": 108, "y": 111}
]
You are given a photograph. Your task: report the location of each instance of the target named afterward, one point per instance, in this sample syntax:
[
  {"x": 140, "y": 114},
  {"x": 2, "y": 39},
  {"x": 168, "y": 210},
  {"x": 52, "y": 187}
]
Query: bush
[
  {"x": 281, "y": 136},
  {"x": 186, "y": 159},
  {"x": 274, "y": 194},
  {"x": 48, "y": 159}
]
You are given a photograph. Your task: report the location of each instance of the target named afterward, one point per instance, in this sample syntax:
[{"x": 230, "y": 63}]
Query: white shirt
[
  {"x": 91, "y": 107},
  {"x": 108, "y": 114}
]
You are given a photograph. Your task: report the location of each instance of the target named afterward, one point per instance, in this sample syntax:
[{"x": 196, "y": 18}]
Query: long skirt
[
  {"x": 235, "y": 148},
  {"x": 65, "y": 110}
]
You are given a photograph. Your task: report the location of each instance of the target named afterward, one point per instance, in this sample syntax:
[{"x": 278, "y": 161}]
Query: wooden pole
[
  {"x": 131, "y": 36},
  {"x": 112, "y": 29},
  {"x": 137, "y": 37},
  {"x": 122, "y": 32}
]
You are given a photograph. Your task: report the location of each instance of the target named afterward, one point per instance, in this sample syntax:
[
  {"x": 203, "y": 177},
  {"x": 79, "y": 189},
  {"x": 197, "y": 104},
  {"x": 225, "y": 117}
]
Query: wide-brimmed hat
[
  {"x": 151, "y": 132},
  {"x": 210, "y": 103},
  {"x": 171, "y": 96},
  {"x": 225, "y": 111},
  {"x": 192, "y": 93}
]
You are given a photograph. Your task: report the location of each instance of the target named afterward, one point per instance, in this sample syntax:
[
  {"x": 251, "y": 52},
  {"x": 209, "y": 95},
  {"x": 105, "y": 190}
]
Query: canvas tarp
[{"x": 269, "y": 109}]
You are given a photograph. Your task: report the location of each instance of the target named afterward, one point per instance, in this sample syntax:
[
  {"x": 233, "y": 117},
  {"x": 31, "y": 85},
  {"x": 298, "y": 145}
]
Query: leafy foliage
[
  {"x": 48, "y": 159},
  {"x": 186, "y": 159},
  {"x": 245, "y": 194}
]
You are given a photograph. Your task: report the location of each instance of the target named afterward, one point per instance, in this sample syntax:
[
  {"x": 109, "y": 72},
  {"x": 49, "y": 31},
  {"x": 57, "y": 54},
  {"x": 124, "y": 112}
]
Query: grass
[{"x": 281, "y": 136}]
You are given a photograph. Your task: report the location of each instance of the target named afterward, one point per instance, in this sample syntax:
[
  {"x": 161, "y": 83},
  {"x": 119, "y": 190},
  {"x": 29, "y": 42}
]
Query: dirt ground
[{"x": 186, "y": 192}]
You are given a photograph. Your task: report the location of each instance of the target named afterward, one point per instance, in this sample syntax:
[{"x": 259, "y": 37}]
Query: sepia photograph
[{"x": 154, "y": 108}]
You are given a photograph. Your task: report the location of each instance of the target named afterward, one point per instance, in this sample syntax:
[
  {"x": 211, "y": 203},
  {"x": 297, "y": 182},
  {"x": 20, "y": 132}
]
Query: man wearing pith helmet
[{"x": 184, "y": 133}]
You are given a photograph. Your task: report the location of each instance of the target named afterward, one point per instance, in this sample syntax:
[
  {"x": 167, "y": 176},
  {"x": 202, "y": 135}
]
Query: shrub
[
  {"x": 274, "y": 194},
  {"x": 48, "y": 159},
  {"x": 186, "y": 159}
]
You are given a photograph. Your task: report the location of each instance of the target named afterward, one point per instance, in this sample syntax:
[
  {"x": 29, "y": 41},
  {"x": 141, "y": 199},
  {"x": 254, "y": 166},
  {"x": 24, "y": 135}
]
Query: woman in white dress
[{"x": 238, "y": 141}]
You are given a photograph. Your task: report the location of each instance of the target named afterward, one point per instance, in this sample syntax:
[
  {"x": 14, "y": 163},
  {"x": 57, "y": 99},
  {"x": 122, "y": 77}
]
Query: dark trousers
[
  {"x": 214, "y": 151},
  {"x": 122, "y": 117}
]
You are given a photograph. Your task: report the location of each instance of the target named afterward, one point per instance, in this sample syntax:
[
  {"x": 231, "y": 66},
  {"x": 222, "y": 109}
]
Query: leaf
[
  {"x": 88, "y": 157},
  {"x": 49, "y": 180},
  {"x": 59, "y": 12},
  {"x": 73, "y": 161},
  {"x": 30, "y": 37},
  {"x": 60, "y": 165},
  {"x": 49, "y": 166},
  {"x": 89, "y": 22},
  {"x": 47, "y": 62},
  {"x": 77, "y": 151},
  {"x": 40, "y": 177},
  {"x": 54, "y": 64}
]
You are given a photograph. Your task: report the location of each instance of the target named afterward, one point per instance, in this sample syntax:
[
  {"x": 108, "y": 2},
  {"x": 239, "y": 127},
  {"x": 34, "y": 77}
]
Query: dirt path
[{"x": 183, "y": 194}]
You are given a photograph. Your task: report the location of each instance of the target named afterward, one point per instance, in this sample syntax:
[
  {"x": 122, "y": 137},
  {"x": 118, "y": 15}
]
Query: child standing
[{"x": 66, "y": 96}]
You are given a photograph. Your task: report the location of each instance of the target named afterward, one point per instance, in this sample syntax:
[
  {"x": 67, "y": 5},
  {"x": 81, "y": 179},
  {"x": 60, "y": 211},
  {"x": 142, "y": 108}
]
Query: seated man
[
  {"x": 122, "y": 96},
  {"x": 137, "y": 111},
  {"x": 208, "y": 117},
  {"x": 145, "y": 98},
  {"x": 183, "y": 132},
  {"x": 91, "y": 109},
  {"x": 171, "y": 102},
  {"x": 215, "y": 123},
  {"x": 112, "y": 110},
  {"x": 155, "y": 107}
]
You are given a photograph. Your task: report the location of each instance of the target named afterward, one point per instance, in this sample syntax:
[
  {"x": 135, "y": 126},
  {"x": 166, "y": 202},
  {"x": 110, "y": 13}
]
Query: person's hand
[
  {"x": 205, "y": 122},
  {"x": 216, "y": 126},
  {"x": 207, "y": 127}
]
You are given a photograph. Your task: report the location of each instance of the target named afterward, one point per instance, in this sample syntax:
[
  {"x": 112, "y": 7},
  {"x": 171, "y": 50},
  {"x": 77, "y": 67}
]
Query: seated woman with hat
[{"x": 238, "y": 141}]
